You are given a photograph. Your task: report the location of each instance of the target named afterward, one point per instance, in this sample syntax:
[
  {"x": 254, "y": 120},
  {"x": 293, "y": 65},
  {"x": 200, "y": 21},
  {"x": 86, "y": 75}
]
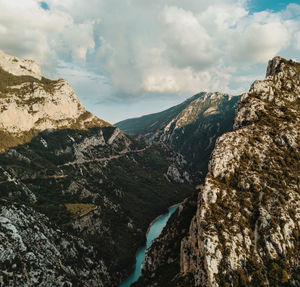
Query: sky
[{"x": 126, "y": 58}]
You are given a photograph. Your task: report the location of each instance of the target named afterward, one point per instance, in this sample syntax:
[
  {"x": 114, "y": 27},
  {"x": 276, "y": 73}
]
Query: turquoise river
[{"x": 154, "y": 231}]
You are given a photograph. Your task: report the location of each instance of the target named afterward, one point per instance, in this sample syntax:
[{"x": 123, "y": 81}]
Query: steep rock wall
[
  {"x": 246, "y": 229},
  {"x": 30, "y": 103}
]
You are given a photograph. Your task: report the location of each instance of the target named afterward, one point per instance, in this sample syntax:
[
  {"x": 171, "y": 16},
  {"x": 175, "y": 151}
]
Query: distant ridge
[{"x": 191, "y": 128}]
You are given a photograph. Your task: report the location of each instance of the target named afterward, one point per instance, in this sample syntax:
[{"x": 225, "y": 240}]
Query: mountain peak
[
  {"x": 248, "y": 206},
  {"x": 279, "y": 64},
  {"x": 30, "y": 103},
  {"x": 19, "y": 67}
]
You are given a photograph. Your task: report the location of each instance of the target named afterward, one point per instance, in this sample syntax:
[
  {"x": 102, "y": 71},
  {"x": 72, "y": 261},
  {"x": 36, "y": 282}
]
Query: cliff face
[
  {"x": 246, "y": 228},
  {"x": 162, "y": 260},
  {"x": 190, "y": 128},
  {"x": 30, "y": 103},
  {"x": 35, "y": 253}
]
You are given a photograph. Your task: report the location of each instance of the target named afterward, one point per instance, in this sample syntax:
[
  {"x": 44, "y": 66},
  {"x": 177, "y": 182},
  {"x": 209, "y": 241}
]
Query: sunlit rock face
[
  {"x": 245, "y": 231},
  {"x": 19, "y": 67},
  {"x": 30, "y": 103}
]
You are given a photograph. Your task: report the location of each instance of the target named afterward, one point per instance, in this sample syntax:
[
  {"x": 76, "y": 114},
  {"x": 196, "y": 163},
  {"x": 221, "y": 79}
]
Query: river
[{"x": 154, "y": 231}]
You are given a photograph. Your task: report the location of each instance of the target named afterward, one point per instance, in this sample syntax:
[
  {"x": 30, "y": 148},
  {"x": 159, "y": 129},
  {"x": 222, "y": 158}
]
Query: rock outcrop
[
  {"x": 20, "y": 67},
  {"x": 247, "y": 224},
  {"x": 35, "y": 253},
  {"x": 30, "y": 103},
  {"x": 246, "y": 229}
]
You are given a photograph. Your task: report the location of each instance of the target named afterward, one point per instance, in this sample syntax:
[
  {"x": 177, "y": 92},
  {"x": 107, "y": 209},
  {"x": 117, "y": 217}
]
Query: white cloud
[
  {"x": 259, "y": 42},
  {"x": 164, "y": 78},
  {"x": 297, "y": 40},
  {"x": 188, "y": 43},
  {"x": 141, "y": 46},
  {"x": 177, "y": 46},
  {"x": 78, "y": 39},
  {"x": 29, "y": 31}
]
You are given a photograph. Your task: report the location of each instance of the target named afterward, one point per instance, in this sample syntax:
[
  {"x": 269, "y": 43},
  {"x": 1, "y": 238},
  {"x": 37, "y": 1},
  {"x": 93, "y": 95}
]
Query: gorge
[
  {"x": 77, "y": 194},
  {"x": 154, "y": 231}
]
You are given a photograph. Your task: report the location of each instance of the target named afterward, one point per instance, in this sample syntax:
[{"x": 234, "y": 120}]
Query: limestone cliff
[
  {"x": 30, "y": 103},
  {"x": 246, "y": 228}
]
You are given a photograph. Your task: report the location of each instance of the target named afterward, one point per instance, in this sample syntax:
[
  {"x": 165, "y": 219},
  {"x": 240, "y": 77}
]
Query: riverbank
[
  {"x": 154, "y": 230},
  {"x": 156, "y": 218}
]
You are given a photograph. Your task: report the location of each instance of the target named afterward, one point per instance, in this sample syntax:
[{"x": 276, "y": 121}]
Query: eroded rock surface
[
  {"x": 20, "y": 67},
  {"x": 35, "y": 253},
  {"x": 246, "y": 228},
  {"x": 30, "y": 103}
]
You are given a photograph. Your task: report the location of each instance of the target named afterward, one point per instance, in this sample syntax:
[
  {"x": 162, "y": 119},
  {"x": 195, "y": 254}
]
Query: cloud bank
[{"x": 128, "y": 49}]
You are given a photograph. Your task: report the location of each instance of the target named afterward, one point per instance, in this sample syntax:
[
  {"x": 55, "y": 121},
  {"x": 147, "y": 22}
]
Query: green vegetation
[
  {"x": 128, "y": 188},
  {"x": 8, "y": 80},
  {"x": 168, "y": 247},
  {"x": 80, "y": 209},
  {"x": 8, "y": 140}
]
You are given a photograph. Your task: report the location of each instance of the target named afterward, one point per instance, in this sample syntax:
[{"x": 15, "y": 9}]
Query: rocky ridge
[
  {"x": 246, "y": 228},
  {"x": 31, "y": 103},
  {"x": 255, "y": 240},
  {"x": 190, "y": 128}
]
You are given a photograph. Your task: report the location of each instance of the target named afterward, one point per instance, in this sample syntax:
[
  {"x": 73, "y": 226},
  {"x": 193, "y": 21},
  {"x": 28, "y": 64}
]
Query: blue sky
[
  {"x": 44, "y": 5},
  {"x": 274, "y": 5},
  {"x": 132, "y": 57}
]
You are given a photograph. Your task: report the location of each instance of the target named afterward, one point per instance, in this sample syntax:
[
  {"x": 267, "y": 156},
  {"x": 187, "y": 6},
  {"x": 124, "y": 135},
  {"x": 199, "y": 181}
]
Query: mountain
[
  {"x": 81, "y": 178},
  {"x": 31, "y": 103},
  {"x": 36, "y": 253},
  {"x": 190, "y": 128},
  {"x": 245, "y": 231}
]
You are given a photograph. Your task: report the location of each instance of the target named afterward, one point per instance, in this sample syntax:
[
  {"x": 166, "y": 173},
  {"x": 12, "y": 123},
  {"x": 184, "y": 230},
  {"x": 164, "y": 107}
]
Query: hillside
[
  {"x": 245, "y": 231},
  {"x": 90, "y": 179},
  {"x": 30, "y": 103},
  {"x": 152, "y": 122},
  {"x": 36, "y": 253},
  {"x": 190, "y": 128}
]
